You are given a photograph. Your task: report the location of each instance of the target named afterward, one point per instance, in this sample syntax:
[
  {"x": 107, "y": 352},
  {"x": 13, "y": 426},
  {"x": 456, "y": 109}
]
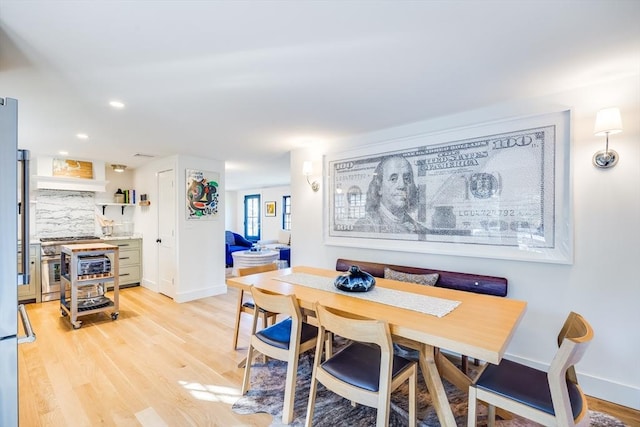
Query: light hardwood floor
[{"x": 160, "y": 364}]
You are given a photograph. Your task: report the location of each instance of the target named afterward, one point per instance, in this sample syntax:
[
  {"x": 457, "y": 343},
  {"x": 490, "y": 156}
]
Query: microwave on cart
[{"x": 93, "y": 266}]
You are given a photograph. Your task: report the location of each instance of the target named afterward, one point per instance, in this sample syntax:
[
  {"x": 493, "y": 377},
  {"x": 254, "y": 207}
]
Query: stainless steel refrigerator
[{"x": 14, "y": 233}]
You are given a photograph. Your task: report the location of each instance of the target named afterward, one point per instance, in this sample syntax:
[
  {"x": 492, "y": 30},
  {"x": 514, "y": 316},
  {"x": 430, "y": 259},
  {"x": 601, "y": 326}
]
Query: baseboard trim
[
  {"x": 200, "y": 293},
  {"x": 152, "y": 286}
]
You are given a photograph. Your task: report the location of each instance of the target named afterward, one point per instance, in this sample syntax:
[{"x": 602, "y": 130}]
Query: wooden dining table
[{"x": 481, "y": 326}]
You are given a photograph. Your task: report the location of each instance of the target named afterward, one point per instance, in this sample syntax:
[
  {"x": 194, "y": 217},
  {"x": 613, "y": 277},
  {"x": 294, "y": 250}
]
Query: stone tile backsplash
[{"x": 61, "y": 213}]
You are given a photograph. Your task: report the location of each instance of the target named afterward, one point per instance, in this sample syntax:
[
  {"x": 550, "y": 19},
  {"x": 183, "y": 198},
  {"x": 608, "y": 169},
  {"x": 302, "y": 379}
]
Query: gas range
[
  {"x": 66, "y": 239},
  {"x": 50, "y": 246}
]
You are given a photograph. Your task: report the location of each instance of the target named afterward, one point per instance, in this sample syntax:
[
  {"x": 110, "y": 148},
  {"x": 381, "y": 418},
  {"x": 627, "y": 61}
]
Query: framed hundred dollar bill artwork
[{"x": 497, "y": 190}]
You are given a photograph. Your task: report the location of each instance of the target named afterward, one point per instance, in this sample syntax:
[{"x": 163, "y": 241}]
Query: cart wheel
[
  {"x": 114, "y": 316},
  {"x": 77, "y": 325},
  {"x": 63, "y": 313}
]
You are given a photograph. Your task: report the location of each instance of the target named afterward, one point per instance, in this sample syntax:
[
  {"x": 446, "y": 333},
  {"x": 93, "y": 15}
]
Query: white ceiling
[{"x": 248, "y": 81}]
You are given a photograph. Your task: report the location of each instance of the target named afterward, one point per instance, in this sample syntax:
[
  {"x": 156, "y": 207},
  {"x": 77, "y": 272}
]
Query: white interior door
[{"x": 166, "y": 233}]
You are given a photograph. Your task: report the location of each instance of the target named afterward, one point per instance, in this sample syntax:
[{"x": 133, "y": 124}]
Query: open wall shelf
[{"x": 122, "y": 205}]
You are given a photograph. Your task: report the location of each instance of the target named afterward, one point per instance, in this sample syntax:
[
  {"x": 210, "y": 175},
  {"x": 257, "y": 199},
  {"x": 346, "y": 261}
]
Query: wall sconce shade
[
  {"x": 118, "y": 168},
  {"x": 608, "y": 122},
  {"x": 307, "y": 169}
]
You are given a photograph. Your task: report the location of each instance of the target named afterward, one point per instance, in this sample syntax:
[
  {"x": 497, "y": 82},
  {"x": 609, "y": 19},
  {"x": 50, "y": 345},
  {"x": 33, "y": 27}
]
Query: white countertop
[
  {"x": 133, "y": 236},
  {"x": 36, "y": 240}
]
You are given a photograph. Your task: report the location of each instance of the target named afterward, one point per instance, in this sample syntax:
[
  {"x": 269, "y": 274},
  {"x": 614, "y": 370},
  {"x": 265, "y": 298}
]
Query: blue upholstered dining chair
[
  {"x": 366, "y": 371},
  {"x": 285, "y": 340},
  {"x": 549, "y": 398},
  {"x": 246, "y": 305}
]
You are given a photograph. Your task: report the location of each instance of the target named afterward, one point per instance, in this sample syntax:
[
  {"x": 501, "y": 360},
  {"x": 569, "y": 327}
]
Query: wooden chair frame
[
  {"x": 366, "y": 331},
  {"x": 244, "y": 306},
  {"x": 573, "y": 340},
  {"x": 287, "y": 305}
]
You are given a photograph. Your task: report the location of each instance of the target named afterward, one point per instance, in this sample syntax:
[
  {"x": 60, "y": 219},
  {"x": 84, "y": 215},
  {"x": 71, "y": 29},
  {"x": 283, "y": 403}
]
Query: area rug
[{"x": 267, "y": 394}]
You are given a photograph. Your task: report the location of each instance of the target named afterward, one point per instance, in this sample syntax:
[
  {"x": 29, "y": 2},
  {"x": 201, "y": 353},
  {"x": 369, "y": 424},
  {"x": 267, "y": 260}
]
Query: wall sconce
[
  {"x": 306, "y": 171},
  {"x": 608, "y": 121},
  {"x": 118, "y": 168}
]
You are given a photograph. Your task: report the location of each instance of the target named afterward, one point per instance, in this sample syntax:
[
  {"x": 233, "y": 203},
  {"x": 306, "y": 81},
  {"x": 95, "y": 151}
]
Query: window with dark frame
[
  {"x": 252, "y": 217},
  {"x": 286, "y": 213}
]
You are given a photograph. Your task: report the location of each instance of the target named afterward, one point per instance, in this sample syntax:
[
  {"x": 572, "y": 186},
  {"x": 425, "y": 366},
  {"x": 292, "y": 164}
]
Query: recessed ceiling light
[
  {"x": 82, "y": 136},
  {"x": 116, "y": 104}
]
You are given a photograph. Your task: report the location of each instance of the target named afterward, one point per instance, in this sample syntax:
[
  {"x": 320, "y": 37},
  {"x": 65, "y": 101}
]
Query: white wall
[
  {"x": 270, "y": 225},
  {"x": 230, "y": 208},
  {"x": 146, "y": 218},
  {"x": 115, "y": 181},
  {"x": 201, "y": 243},
  {"x": 199, "y": 250},
  {"x": 602, "y": 284}
]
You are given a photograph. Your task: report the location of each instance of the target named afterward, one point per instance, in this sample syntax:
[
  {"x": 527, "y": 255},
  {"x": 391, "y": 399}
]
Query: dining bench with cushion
[
  {"x": 481, "y": 284},
  {"x": 477, "y": 283}
]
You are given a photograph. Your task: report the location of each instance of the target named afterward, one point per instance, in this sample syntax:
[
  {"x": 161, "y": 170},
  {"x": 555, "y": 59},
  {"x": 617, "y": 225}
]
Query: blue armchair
[{"x": 234, "y": 242}]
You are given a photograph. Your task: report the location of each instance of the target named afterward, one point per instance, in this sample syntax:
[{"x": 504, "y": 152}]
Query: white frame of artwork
[{"x": 558, "y": 209}]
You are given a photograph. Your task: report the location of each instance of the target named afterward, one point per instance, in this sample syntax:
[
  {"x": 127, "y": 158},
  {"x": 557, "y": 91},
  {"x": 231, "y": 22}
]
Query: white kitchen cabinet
[{"x": 130, "y": 260}]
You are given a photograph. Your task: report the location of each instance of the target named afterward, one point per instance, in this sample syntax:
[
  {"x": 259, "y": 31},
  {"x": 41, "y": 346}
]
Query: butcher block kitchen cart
[{"x": 86, "y": 269}]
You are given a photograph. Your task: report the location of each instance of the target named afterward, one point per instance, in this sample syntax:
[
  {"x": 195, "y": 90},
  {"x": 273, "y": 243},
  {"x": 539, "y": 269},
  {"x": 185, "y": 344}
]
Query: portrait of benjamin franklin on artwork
[{"x": 391, "y": 197}]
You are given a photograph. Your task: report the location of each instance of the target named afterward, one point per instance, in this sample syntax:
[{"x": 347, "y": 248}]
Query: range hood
[
  {"x": 70, "y": 184},
  {"x": 44, "y": 179}
]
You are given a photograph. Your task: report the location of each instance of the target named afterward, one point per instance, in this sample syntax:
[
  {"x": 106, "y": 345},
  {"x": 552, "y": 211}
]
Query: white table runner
[{"x": 438, "y": 307}]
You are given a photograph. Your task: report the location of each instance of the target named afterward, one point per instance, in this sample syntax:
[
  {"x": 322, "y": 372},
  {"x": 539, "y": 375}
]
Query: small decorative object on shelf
[
  {"x": 355, "y": 280},
  {"x": 127, "y": 197},
  {"x": 119, "y": 196}
]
